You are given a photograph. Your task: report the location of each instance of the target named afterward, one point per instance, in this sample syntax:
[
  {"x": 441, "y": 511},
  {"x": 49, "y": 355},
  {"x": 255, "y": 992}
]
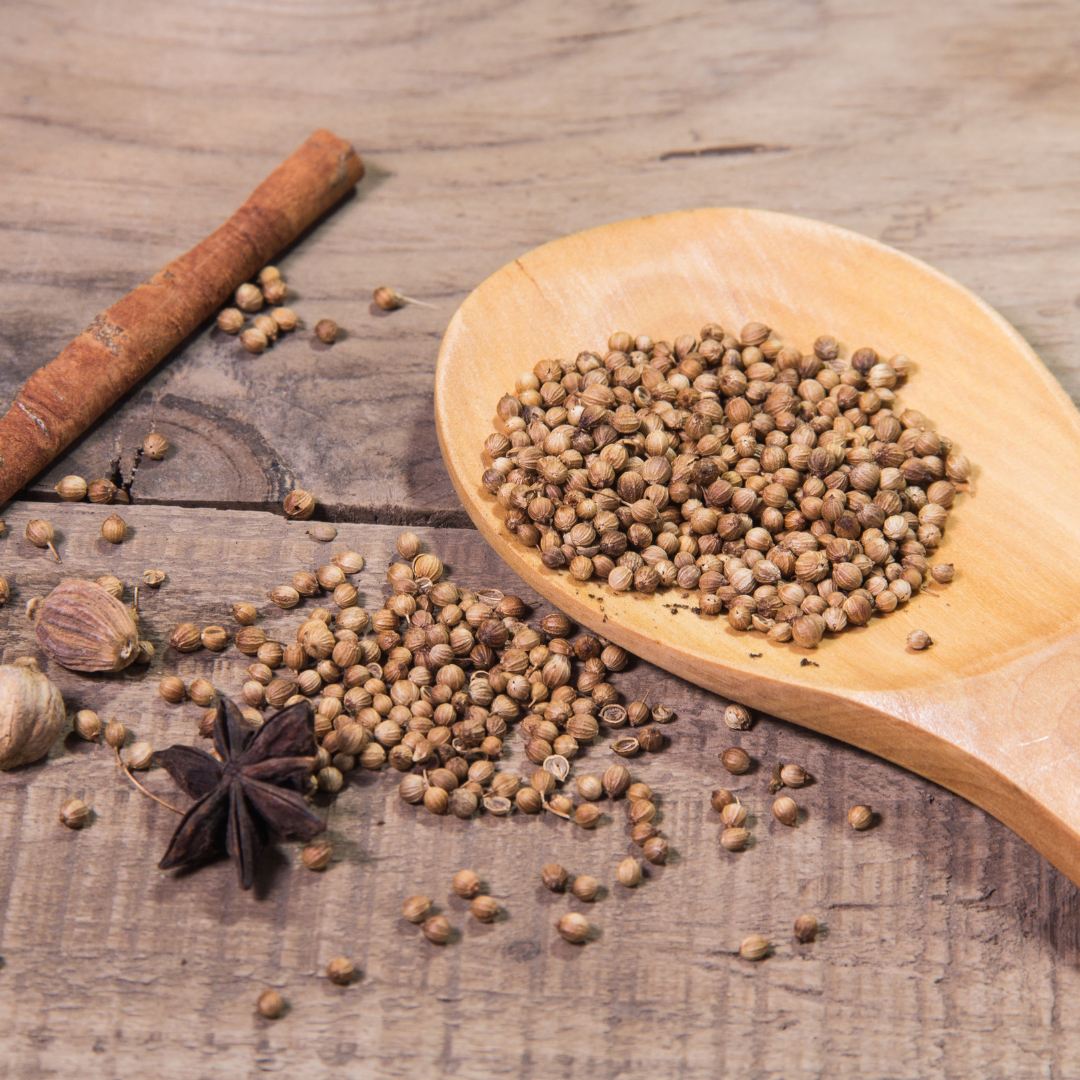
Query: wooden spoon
[{"x": 992, "y": 709}]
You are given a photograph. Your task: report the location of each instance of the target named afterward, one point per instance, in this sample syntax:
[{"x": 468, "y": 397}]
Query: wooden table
[{"x": 132, "y": 130}]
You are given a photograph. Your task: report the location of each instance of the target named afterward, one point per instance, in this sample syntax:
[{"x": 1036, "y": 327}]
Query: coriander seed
[
  {"x": 254, "y": 340},
  {"x": 387, "y": 299},
  {"x": 87, "y": 725},
  {"x": 155, "y": 446},
  {"x": 185, "y": 638},
  {"x": 616, "y": 780},
  {"x": 267, "y": 325},
  {"x": 587, "y": 815},
  {"x": 322, "y": 531},
  {"x": 172, "y": 689},
  {"x": 754, "y": 948},
  {"x": 734, "y": 839},
  {"x": 408, "y": 546},
  {"x": 269, "y": 1003},
  {"x": 74, "y": 813},
  {"x": 275, "y": 291},
  {"x": 737, "y": 717},
  {"x": 230, "y": 320},
  {"x": 733, "y": 815},
  {"x": 140, "y": 756},
  {"x": 72, "y": 489},
  {"x": 201, "y": 691},
  {"x": 115, "y": 734},
  {"x": 806, "y": 928},
  {"x": 573, "y": 927},
  {"x": 586, "y": 888},
  {"x": 244, "y": 614},
  {"x": 735, "y": 760},
  {"x": 720, "y": 798},
  {"x": 656, "y": 850},
  {"x": 860, "y": 818},
  {"x": 249, "y": 298},
  {"x": 793, "y": 776},
  {"x": 114, "y": 529},
  {"x": 466, "y": 884},
  {"x": 484, "y": 909},
  {"x": 437, "y": 930},
  {"x": 785, "y": 810},
  {"x": 112, "y": 585},
  {"x": 340, "y": 971},
  {"x": 153, "y": 578},
  {"x": 101, "y": 491},
  {"x": 554, "y": 877},
  {"x": 299, "y": 505},
  {"x": 919, "y": 640},
  {"x": 317, "y": 856},
  {"x": 326, "y": 330},
  {"x": 416, "y": 908},
  {"x": 215, "y": 638},
  {"x": 629, "y": 872},
  {"x": 638, "y": 791},
  {"x": 41, "y": 534}
]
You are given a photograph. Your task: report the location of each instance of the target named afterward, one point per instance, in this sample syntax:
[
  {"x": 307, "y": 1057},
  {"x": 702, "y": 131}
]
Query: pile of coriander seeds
[
  {"x": 791, "y": 491},
  {"x": 432, "y": 684}
]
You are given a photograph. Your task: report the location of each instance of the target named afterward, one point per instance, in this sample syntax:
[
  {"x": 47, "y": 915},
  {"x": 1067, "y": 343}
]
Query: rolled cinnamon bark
[{"x": 123, "y": 344}]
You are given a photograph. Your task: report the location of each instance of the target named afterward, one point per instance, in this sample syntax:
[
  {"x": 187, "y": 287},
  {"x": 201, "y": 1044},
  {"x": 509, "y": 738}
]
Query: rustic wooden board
[
  {"x": 951, "y": 947},
  {"x": 130, "y": 133}
]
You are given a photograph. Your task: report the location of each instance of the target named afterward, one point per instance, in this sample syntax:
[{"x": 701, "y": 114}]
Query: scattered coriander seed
[
  {"x": 41, "y": 534},
  {"x": 785, "y": 810},
  {"x": 114, "y": 529},
  {"x": 919, "y": 640},
  {"x": 201, "y": 691},
  {"x": 348, "y": 562},
  {"x": 484, "y": 909},
  {"x": 267, "y": 274},
  {"x": 416, "y": 908},
  {"x": 656, "y": 850},
  {"x": 588, "y": 815},
  {"x": 101, "y": 491},
  {"x": 244, "y": 614},
  {"x": 153, "y": 578},
  {"x": 733, "y": 815},
  {"x": 436, "y": 800},
  {"x": 322, "y": 531},
  {"x": 172, "y": 689},
  {"x": 650, "y": 739},
  {"x": 72, "y": 489},
  {"x": 115, "y": 734},
  {"x": 284, "y": 596},
  {"x": 860, "y": 817},
  {"x": 641, "y": 810},
  {"x": 793, "y": 776},
  {"x": 155, "y": 446},
  {"x": 734, "y": 839},
  {"x": 214, "y": 638},
  {"x": 466, "y": 884},
  {"x": 340, "y": 971},
  {"x": 590, "y": 787},
  {"x": 267, "y": 325},
  {"x": 140, "y": 756},
  {"x": 230, "y": 320},
  {"x": 249, "y": 298},
  {"x": 586, "y": 888},
  {"x": 754, "y": 948},
  {"x": 408, "y": 546},
  {"x": 285, "y": 318},
  {"x": 629, "y": 872},
  {"x": 317, "y": 856},
  {"x": 437, "y": 930},
  {"x": 326, "y": 330},
  {"x": 573, "y": 927},
  {"x": 254, "y": 340},
  {"x": 738, "y": 717},
  {"x": 720, "y": 798},
  {"x": 74, "y": 813},
  {"x": 806, "y": 928},
  {"x": 274, "y": 292},
  {"x": 330, "y": 779},
  {"x": 942, "y": 573},
  {"x": 185, "y": 638},
  {"x": 528, "y": 800},
  {"x": 87, "y": 725},
  {"x": 254, "y": 718},
  {"x": 735, "y": 760},
  {"x": 616, "y": 780},
  {"x": 299, "y": 505},
  {"x": 639, "y": 790},
  {"x": 387, "y": 299},
  {"x": 269, "y": 1003},
  {"x": 554, "y": 877},
  {"x": 643, "y": 831},
  {"x": 112, "y": 585}
]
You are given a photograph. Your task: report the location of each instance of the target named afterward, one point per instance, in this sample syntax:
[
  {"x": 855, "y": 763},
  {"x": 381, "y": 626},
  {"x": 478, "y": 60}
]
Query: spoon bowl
[{"x": 992, "y": 709}]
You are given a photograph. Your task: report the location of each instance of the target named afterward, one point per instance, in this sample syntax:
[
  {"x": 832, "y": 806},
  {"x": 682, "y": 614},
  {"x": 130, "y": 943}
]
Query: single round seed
[
  {"x": 733, "y": 815},
  {"x": 806, "y": 928},
  {"x": 656, "y": 850},
  {"x": 326, "y": 330},
  {"x": 573, "y": 927},
  {"x": 720, "y": 798},
  {"x": 585, "y": 887},
  {"x": 793, "y": 776},
  {"x": 340, "y": 971},
  {"x": 172, "y": 689},
  {"x": 484, "y": 909},
  {"x": 754, "y": 947},
  {"x": 734, "y": 839},
  {"x": 737, "y": 717},
  {"x": 860, "y": 817},
  {"x": 629, "y": 872},
  {"x": 466, "y": 884},
  {"x": 317, "y": 856},
  {"x": 554, "y": 877},
  {"x": 437, "y": 930},
  {"x": 735, "y": 760},
  {"x": 140, "y": 756},
  {"x": 416, "y": 908},
  {"x": 919, "y": 640},
  {"x": 74, "y": 813},
  {"x": 269, "y": 1002},
  {"x": 785, "y": 810},
  {"x": 87, "y": 725}
]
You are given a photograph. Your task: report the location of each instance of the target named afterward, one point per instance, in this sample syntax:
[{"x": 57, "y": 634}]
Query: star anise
[{"x": 255, "y": 788}]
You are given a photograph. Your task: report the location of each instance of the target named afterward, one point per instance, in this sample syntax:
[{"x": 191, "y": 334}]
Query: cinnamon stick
[{"x": 123, "y": 344}]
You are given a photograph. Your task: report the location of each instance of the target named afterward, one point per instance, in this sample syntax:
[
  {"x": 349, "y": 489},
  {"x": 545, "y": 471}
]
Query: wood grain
[
  {"x": 989, "y": 710},
  {"x": 940, "y": 924},
  {"x": 129, "y": 135}
]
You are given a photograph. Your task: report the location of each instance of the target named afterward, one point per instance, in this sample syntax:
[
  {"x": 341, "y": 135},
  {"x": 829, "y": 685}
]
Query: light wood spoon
[{"x": 992, "y": 709}]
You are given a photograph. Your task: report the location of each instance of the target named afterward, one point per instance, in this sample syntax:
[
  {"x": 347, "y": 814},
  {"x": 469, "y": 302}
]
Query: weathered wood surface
[
  {"x": 130, "y": 132},
  {"x": 950, "y": 949}
]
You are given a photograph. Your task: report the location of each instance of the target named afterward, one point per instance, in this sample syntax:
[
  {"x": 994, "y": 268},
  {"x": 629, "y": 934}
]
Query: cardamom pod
[{"x": 83, "y": 628}]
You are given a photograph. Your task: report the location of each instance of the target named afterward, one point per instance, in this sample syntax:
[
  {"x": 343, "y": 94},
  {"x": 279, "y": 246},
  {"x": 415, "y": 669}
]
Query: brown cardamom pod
[{"x": 83, "y": 628}]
